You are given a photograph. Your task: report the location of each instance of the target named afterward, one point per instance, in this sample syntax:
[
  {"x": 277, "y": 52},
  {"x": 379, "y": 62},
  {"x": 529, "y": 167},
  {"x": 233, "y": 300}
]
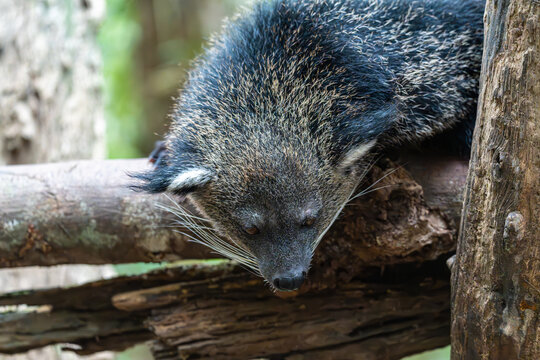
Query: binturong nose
[{"x": 290, "y": 280}]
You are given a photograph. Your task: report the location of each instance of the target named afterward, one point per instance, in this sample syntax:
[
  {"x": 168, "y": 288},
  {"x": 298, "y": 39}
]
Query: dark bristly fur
[{"x": 282, "y": 113}]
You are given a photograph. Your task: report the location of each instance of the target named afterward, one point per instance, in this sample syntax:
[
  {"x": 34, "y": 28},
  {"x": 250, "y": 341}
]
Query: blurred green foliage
[
  {"x": 438, "y": 354},
  {"x": 118, "y": 38},
  {"x": 147, "y": 48},
  {"x": 141, "y": 268}
]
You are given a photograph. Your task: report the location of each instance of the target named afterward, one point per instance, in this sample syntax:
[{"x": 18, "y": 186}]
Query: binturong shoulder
[
  {"x": 283, "y": 111},
  {"x": 339, "y": 73}
]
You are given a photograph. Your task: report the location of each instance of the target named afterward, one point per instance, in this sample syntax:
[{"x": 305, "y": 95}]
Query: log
[
  {"x": 496, "y": 276},
  {"x": 222, "y": 312},
  {"x": 84, "y": 315},
  {"x": 84, "y": 212},
  {"x": 359, "y": 320},
  {"x": 22, "y": 331}
]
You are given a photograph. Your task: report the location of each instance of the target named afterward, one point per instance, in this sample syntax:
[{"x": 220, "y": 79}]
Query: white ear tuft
[
  {"x": 190, "y": 178},
  {"x": 355, "y": 154}
]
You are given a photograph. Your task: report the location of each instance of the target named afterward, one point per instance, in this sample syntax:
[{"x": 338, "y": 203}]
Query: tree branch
[{"x": 83, "y": 212}]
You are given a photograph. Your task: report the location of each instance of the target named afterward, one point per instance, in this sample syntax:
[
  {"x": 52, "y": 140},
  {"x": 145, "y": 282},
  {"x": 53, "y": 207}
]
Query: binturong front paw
[{"x": 158, "y": 154}]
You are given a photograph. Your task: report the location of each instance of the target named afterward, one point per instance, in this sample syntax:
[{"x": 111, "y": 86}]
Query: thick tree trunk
[
  {"x": 85, "y": 213},
  {"x": 496, "y": 277}
]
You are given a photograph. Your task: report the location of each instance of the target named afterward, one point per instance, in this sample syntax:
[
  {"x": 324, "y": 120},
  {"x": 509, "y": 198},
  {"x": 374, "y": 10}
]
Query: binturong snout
[
  {"x": 289, "y": 280},
  {"x": 285, "y": 273},
  {"x": 283, "y": 257}
]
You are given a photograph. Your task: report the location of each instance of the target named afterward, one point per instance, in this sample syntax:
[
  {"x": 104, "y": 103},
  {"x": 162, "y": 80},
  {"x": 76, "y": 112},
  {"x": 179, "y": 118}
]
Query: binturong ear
[
  {"x": 177, "y": 171},
  {"x": 189, "y": 180},
  {"x": 350, "y": 160},
  {"x": 177, "y": 180}
]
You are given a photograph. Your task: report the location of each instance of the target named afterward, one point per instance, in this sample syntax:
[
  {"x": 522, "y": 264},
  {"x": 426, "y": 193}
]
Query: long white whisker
[
  {"x": 331, "y": 222},
  {"x": 364, "y": 191},
  {"x": 382, "y": 177},
  {"x": 368, "y": 168},
  {"x": 206, "y": 236},
  {"x": 179, "y": 210},
  {"x": 215, "y": 243},
  {"x": 369, "y": 191}
]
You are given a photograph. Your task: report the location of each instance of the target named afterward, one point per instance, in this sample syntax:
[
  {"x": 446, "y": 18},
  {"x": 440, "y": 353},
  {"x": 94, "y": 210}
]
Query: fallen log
[
  {"x": 84, "y": 315},
  {"x": 84, "y": 212},
  {"x": 219, "y": 311}
]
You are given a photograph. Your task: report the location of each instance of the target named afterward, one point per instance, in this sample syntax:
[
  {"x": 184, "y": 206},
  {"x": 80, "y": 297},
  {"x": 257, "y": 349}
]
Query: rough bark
[
  {"x": 51, "y": 104},
  {"x": 239, "y": 319},
  {"x": 84, "y": 314},
  {"x": 20, "y": 331},
  {"x": 51, "y": 109},
  {"x": 84, "y": 213},
  {"x": 221, "y": 312},
  {"x": 496, "y": 277}
]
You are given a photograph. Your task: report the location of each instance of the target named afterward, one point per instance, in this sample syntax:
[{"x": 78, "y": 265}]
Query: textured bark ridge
[
  {"x": 385, "y": 318},
  {"x": 496, "y": 277},
  {"x": 51, "y": 109},
  {"x": 83, "y": 212}
]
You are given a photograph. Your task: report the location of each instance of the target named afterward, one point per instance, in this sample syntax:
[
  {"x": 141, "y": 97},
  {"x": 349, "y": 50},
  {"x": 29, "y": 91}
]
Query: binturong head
[
  {"x": 269, "y": 139},
  {"x": 267, "y": 198}
]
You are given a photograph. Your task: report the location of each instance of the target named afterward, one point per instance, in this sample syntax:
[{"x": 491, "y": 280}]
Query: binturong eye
[
  {"x": 252, "y": 230},
  {"x": 308, "y": 221}
]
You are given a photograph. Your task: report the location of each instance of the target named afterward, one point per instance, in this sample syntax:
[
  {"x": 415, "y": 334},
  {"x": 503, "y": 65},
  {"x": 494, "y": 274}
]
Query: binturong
[{"x": 285, "y": 110}]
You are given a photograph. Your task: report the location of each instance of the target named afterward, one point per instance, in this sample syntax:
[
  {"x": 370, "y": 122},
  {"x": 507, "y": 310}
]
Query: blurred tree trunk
[
  {"x": 172, "y": 35},
  {"x": 51, "y": 105},
  {"x": 496, "y": 277}
]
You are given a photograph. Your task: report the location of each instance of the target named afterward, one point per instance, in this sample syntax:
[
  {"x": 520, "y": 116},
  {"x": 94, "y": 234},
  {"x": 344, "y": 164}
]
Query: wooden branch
[
  {"x": 83, "y": 212},
  {"x": 496, "y": 276},
  {"x": 365, "y": 319},
  {"x": 21, "y": 331},
  {"x": 221, "y": 312}
]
